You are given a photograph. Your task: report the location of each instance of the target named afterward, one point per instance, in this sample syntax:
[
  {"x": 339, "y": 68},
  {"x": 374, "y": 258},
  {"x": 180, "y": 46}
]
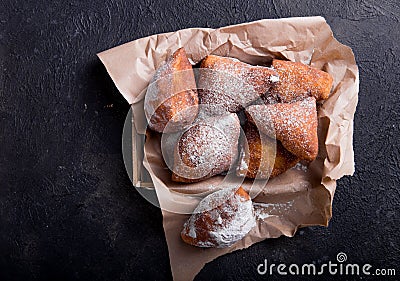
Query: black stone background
[{"x": 68, "y": 210}]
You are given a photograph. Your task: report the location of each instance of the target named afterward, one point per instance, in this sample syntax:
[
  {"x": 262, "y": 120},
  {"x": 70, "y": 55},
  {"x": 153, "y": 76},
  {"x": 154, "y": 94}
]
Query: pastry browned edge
[
  {"x": 263, "y": 157},
  {"x": 171, "y": 99},
  {"x": 220, "y": 220},
  {"x": 298, "y": 81}
]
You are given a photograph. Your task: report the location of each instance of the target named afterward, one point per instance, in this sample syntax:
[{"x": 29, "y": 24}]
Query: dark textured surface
[{"x": 67, "y": 208}]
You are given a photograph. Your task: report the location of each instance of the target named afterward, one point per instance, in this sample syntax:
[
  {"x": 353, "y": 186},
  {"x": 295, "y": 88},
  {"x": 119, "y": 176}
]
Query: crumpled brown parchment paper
[{"x": 300, "y": 197}]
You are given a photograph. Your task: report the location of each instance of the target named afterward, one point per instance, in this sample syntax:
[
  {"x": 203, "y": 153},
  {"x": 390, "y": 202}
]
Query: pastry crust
[
  {"x": 220, "y": 220},
  {"x": 298, "y": 80},
  {"x": 171, "y": 101},
  {"x": 232, "y": 84},
  {"x": 263, "y": 157},
  {"x": 207, "y": 148},
  {"x": 295, "y": 125}
]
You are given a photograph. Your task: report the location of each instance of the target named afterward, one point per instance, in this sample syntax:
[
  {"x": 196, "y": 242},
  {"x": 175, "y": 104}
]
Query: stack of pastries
[{"x": 276, "y": 108}]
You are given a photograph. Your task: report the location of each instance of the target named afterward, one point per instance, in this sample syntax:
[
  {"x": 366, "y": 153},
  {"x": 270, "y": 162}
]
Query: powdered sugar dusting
[
  {"x": 298, "y": 81},
  {"x": 242, "y": 168},
  {"x": 301, "y": 167},
  {"x": 221, "y": 219},
  {"x": 261, "y": 214},
  {"x": 171, "y": 97},
  {"x": 266, "y": 210},
  {"x": 295, "y": 125},
  {"x": 232, "y": 84},
  {"x": 192, "y": 233},
  {"x": 274, "y": 78},
  {"x": 207, "y": 148}
]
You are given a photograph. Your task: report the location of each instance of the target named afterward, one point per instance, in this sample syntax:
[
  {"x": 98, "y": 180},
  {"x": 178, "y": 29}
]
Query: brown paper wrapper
[{"x": 297, "y": 198}]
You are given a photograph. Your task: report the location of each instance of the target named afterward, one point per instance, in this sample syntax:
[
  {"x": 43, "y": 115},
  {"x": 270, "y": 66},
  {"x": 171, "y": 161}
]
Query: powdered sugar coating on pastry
[
  {"x": 298, "y": 80},
  {"x": 207, "y": 148},
  {"x": 295, "y": 125},
  {"x": 171, "y": 98},
  {"x": 220, "y": 220},
  {"x": 232, "y": 84}
]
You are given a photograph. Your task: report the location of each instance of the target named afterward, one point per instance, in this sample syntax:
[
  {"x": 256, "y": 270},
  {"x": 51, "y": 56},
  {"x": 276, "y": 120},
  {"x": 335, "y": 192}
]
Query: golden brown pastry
[
  {"x": 171, "y": 97},
  {"x": 298, "y": 80},
  {"x": 263, "y": 157},
  {"x": 207, "y": 148},
  {"x": 221, "y": 219},
  {"x": 295, "y": 125},
  {"x": 232, "y": 84}
]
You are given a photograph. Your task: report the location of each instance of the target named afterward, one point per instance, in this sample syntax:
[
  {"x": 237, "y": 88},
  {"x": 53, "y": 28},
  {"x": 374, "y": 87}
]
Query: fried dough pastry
[
  {"x": 207, "y": 148},
  {"x": 171, "y": 99},
  {"x": 298, "y": 80},
  {"x": 262, "y": 157},
  {"x": 232, "y": 84},
  {"x": 295, "y": 125},
  {"x": 220, "y": 220}
]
